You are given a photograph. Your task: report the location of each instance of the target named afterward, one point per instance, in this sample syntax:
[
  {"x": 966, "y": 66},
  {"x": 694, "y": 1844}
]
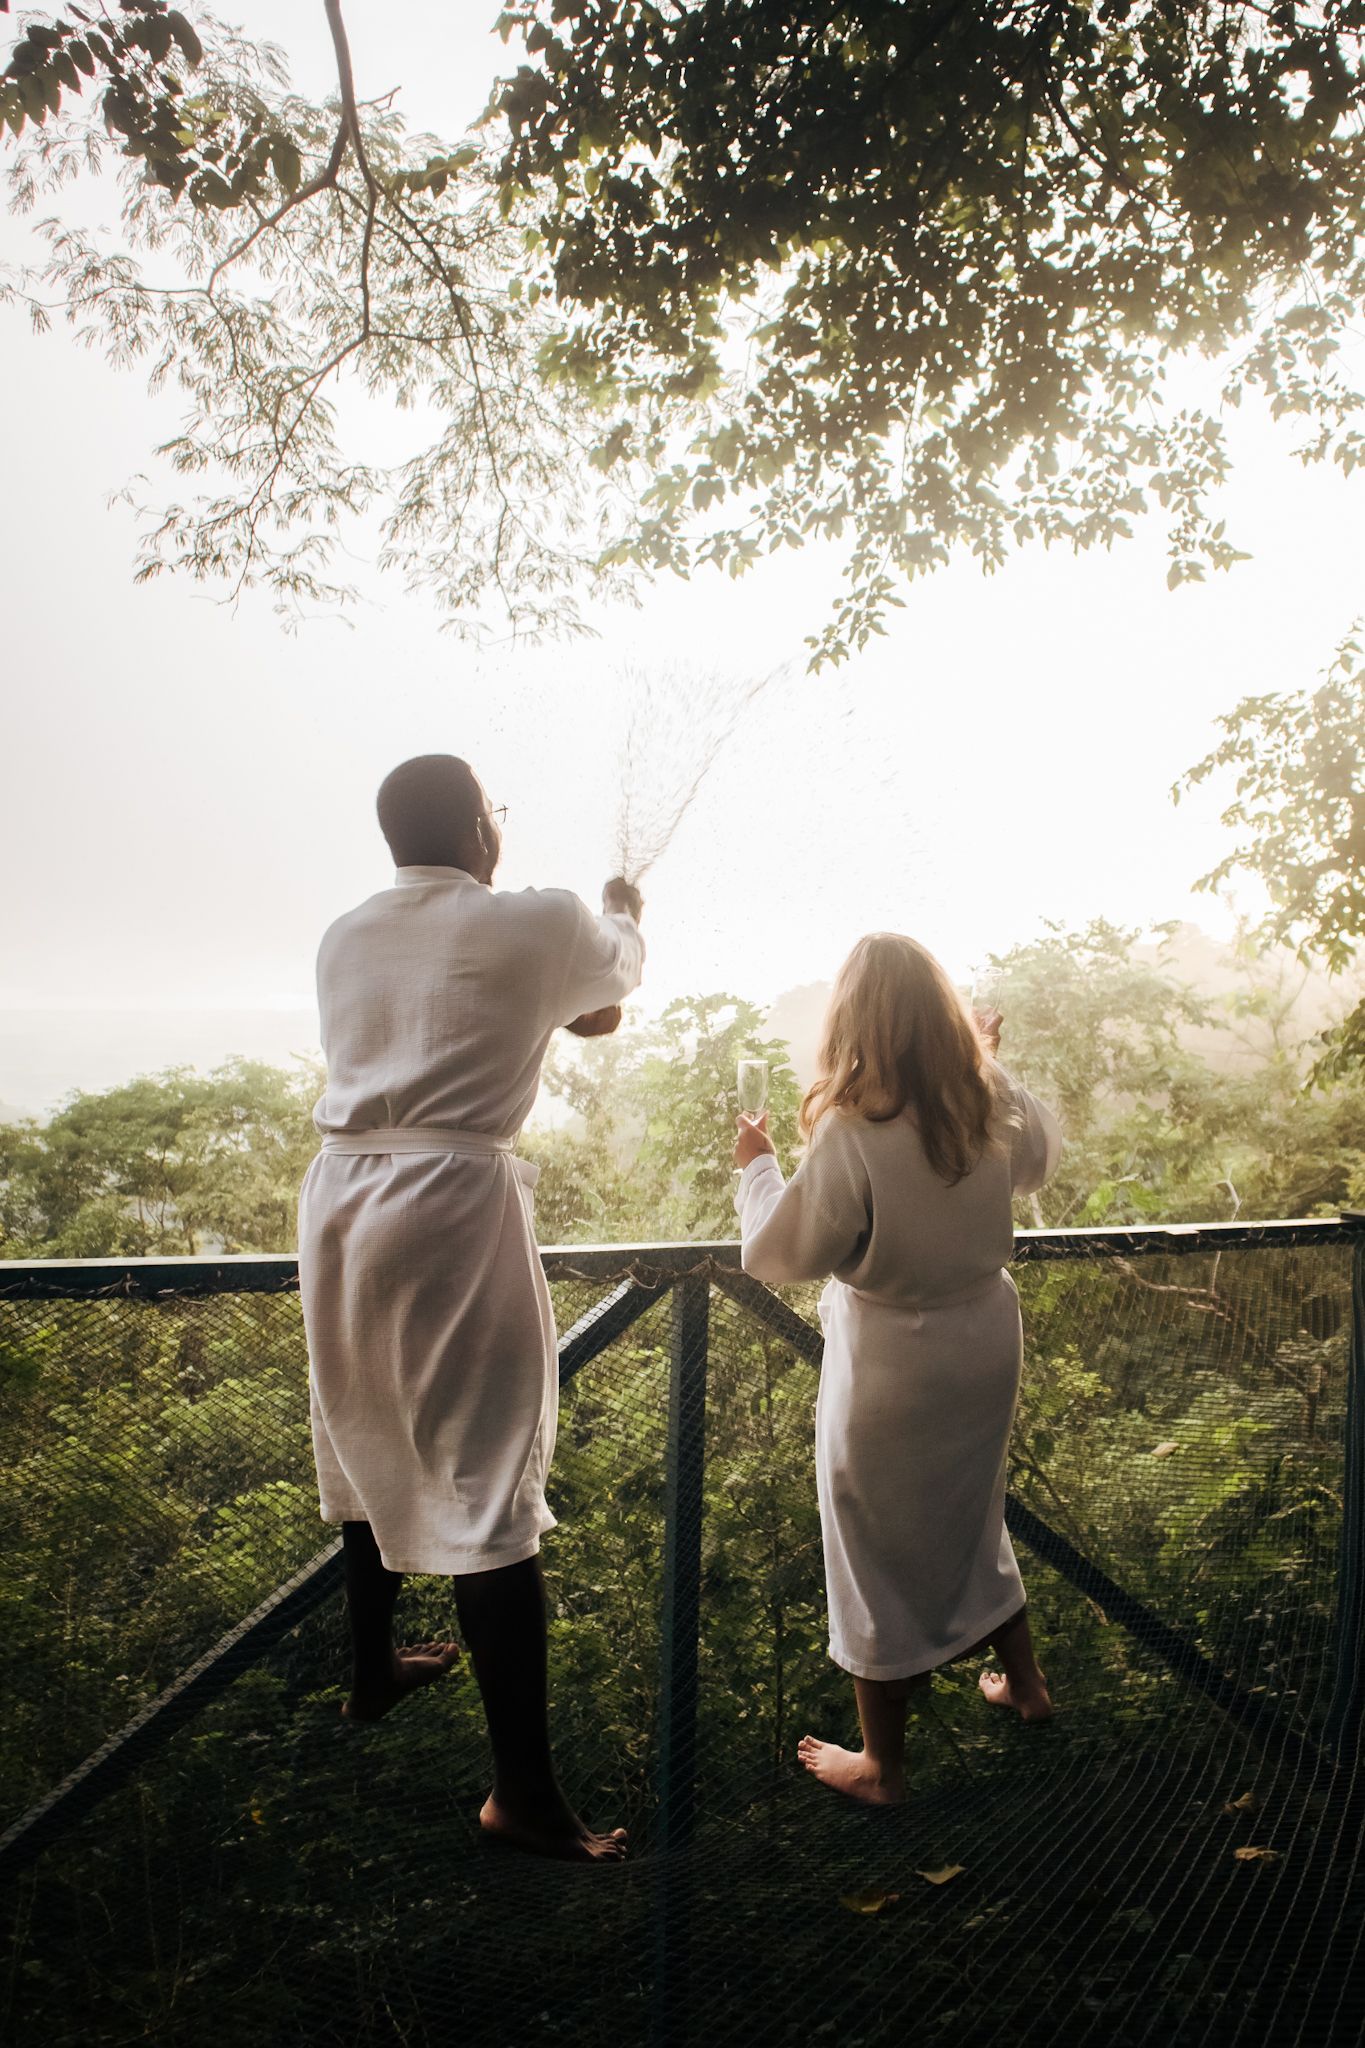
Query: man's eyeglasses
[{"x": 498, "y": 813}]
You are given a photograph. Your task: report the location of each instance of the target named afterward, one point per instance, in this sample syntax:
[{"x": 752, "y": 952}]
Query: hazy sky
[{"x": 186, "y": 792}]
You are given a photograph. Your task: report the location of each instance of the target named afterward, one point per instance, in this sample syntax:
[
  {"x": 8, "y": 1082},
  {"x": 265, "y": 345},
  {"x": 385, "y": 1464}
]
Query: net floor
[{"x": 276, "y": 1875}]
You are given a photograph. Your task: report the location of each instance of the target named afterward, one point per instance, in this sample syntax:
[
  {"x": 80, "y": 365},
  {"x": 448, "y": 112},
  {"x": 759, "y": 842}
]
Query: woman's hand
[
  {"x": 753, "y": 1140},
  {"x": 988, "y": 1023}
]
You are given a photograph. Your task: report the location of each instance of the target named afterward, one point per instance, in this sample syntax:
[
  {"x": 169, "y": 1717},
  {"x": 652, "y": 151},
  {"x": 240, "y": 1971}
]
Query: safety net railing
[{"x": 197, "y": 1847}]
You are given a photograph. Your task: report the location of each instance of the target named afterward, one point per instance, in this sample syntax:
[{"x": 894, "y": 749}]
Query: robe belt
[
  {"x": 414, "y": 1138},
  {"x": 976, "y": 1290}
]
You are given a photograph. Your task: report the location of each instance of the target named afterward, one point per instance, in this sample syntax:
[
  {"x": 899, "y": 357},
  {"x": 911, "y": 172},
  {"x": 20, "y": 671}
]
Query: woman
[{"x": 917, "y": 1142}]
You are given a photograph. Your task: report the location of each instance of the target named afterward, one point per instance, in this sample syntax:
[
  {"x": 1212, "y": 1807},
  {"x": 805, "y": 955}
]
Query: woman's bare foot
[
  {"x": 420, "y": 1665},
  {"x": 852, "y": 1772},
  {"x": 552, "y": 1829},
  {"x": 1031, "y": 1702}
]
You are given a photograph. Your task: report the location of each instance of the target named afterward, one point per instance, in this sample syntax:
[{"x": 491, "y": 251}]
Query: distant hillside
[{"x": 797, "y": 1017}]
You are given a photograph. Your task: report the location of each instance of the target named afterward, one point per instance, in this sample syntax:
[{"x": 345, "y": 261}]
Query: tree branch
[
  {"x": 325, "y": 178},
  {"x": 346, "y": 81}
]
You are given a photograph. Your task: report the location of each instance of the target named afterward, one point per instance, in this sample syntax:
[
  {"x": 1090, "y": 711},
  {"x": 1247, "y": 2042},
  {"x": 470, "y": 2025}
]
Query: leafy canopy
[
  {"x": 1178, "y": 1103},
  {"x": 1298, "y": 810},
  {"x": 905, "y": 275},
  {"x": 957, "y": 246},
  {"x": 1177, "y": 1106},
  {"x": 178, "y": 1163},
  {"x": 270, "y": 248},
  {"x": 647, "y": 1154}
]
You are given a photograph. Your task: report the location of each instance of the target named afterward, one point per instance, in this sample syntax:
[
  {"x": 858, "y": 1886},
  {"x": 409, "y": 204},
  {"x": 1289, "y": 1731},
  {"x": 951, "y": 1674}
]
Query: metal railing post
[
  {"x": 1348, "y": 1686},
  {"x": 682, "y": 1561},
  {"x": 683, "y": 1498}
]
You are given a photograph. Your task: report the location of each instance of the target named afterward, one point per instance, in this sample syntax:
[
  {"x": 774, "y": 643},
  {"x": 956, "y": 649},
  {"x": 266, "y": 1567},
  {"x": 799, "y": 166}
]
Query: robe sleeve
[
  {"x": 1035, "y": 1139},
  {"x": 606, "y": 957},
  {"x": 808, "y": 1227}
]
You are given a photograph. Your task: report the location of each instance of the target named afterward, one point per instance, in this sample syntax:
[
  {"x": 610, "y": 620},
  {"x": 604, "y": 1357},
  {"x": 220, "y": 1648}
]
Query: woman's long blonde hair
[{"x": 899, "y": 1037}]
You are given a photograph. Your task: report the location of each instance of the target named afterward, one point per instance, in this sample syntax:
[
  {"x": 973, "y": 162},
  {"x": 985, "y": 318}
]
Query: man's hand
[
  {"x": 597, "y": 1023},
  {"x": 988, "y": 1023},
  {"x": 621, "y": 895},
  {"x": 753, "y": 1140}
]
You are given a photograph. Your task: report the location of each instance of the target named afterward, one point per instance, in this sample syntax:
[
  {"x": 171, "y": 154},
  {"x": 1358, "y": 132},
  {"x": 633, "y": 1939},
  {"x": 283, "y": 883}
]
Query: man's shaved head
[{"x": 433, "y": 812}]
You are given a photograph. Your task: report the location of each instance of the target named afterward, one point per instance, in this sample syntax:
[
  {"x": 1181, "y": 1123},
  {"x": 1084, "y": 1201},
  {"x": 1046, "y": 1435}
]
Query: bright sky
[{"x": 186, "y": 792}]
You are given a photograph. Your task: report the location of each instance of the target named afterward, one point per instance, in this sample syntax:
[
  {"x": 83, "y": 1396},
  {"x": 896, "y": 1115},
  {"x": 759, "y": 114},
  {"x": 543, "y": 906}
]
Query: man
[{"x": 431, "y": 1341}]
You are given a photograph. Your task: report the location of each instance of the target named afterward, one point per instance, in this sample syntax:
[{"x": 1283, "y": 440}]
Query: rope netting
[{"x": 1151, "y": 1866}]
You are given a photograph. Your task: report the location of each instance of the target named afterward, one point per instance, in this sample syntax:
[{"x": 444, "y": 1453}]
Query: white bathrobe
[
  {"x": 431, "y": 1341},
  {"x": 923, "y": 1349}
]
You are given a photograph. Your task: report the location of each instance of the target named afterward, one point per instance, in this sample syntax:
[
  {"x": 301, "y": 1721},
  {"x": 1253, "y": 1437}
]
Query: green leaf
[
  {"x": 190, "y": 46},
  {"x": 287, "y": 161},
  {"x": 64, "y": 69},
  {"x": 211, "y": 189}
]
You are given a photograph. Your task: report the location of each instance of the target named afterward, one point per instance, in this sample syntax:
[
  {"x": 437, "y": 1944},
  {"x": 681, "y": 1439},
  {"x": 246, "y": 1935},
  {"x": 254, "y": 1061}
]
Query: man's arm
[
  {"x": 619, "y": 899},
  {"x": 597, "y": 1023}
]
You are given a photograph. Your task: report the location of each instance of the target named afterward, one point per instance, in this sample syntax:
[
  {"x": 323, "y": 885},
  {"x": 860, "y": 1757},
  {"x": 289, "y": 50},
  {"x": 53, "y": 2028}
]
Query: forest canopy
[
  {"x": 1180, "y": 1105},
  {"x": 909, "y": 278}
]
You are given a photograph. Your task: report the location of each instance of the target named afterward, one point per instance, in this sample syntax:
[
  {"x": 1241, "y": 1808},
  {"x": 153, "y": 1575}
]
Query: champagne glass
[
  {"x": 752, "y": 1084},
  {"x": 987, "y": 984}
]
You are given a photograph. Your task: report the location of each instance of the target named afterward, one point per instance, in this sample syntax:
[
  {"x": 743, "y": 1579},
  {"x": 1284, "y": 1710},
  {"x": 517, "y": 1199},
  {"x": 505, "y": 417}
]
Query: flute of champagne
[
  {"x": 751, "y": 1078},
  {"x": 986, "y": 988},
  {"x": 985, "y": 1002}
]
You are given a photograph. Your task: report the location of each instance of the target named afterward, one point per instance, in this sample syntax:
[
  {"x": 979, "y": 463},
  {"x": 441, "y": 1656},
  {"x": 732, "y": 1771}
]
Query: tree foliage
[
  {"x": 647, "y": 1153},
  {"x": 1090, "y": 1024},
  {"x": 903, "y": 275},
  {"x": 1298, "y": 810},
  {"x": 1177, "y": 1106},
  {"x": 178, "y": 1164},
  {"x": 140, "y": 53},
  {"x": 953, "y": 247},
  {"x": 271, "y": 247}
]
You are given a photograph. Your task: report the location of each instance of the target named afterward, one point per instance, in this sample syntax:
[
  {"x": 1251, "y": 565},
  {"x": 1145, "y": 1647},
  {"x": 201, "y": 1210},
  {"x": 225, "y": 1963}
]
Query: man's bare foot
[
  {"x": 552, "y": 1830},
  {"x": 422, "y": 1664},
  {"x": 851, "y": 1771},
  {"x": 1031, "y": 1703}
]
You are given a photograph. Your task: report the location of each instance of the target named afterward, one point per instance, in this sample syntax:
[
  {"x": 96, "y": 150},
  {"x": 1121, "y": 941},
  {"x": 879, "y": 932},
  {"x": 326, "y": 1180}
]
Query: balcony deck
[{"x": 238, "y": 1864}]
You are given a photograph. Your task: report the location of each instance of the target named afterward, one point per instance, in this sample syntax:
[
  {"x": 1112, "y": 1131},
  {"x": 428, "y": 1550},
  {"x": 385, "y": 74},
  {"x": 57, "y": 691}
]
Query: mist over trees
[
  {"x": 1178, "y": 1104},
  {"x": 1298, "y": 810}
]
